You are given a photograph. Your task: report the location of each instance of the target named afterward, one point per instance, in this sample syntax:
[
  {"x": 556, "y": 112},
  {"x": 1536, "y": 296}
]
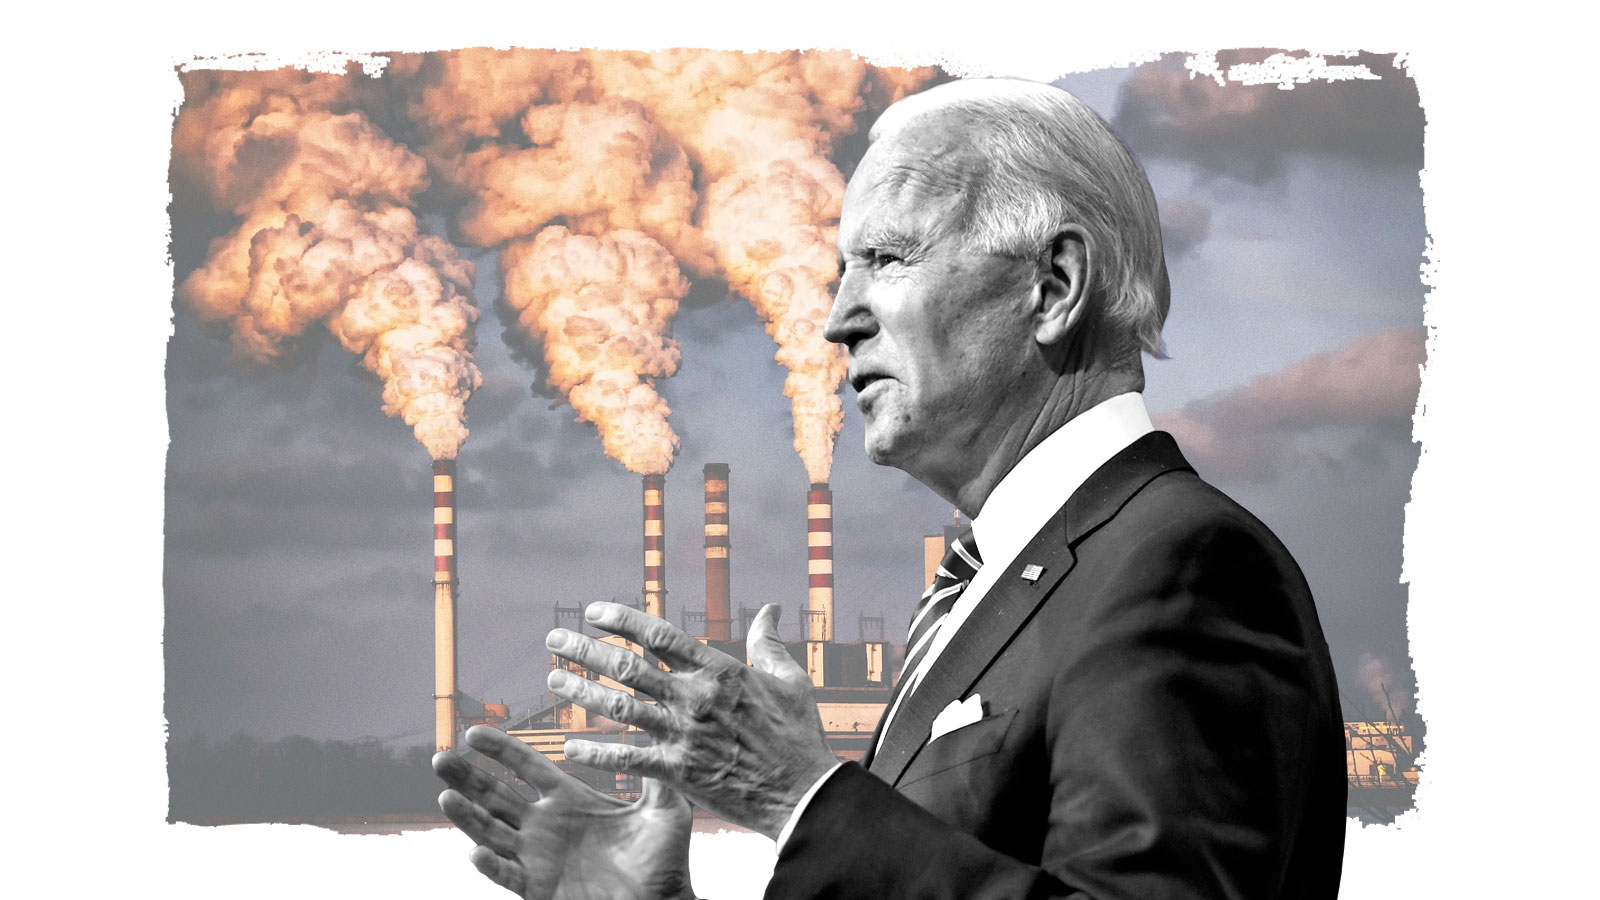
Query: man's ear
[{"x": 1061, "y": 295}]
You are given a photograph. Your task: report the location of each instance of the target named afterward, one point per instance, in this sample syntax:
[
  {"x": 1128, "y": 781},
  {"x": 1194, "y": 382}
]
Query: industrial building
[{"x": 852, "y": 679}]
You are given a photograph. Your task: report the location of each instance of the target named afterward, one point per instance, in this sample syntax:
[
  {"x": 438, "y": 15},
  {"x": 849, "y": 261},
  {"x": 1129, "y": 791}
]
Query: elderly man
[{"x": 1117, "y": 686}]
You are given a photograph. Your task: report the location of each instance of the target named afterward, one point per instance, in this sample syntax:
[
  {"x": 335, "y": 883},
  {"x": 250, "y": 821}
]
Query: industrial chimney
[
  {"x": 655, "y": 562},
  {"x": 819, "y": 543},
  {"x": 444, "y": 604},
  {"x": 819, "y": 567},
  {"x": 719, "y": 610}
]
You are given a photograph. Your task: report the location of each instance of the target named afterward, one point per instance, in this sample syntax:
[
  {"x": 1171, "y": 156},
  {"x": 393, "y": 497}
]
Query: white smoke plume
[
  {"x": 601, "y": 306},
  {"x": 464, "y": 97},
  {"x": 718, "y": 160},
  {"x": 603, "y": 166},
  {"x": 721, "y": 157},
  {"x": 326, "y": 236},
  {"x": 760, "y": 127}
]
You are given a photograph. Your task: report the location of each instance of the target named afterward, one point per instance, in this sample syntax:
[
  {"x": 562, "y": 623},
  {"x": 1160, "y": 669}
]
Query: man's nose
[{"x": 849, "y": 321}]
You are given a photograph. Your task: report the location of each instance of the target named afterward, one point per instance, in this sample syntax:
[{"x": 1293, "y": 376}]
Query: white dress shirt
[{"x": 1018, "y": 507}]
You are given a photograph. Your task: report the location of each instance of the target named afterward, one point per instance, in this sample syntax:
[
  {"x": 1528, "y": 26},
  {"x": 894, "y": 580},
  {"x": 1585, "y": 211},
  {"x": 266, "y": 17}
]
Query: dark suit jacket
[{"x": 1161, "y": 721}]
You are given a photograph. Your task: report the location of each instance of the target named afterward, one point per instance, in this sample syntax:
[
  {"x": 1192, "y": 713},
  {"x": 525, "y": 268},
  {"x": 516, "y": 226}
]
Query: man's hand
[
  {"x": 573, "y": 843},
  {"x": 744, "y": 742}
]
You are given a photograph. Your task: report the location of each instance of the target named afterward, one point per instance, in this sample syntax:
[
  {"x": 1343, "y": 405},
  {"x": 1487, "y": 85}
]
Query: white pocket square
[{"x": 958, "y": 714}]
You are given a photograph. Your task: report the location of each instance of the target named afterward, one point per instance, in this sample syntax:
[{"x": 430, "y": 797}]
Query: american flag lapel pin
[{"x": 1031, "y": 573}]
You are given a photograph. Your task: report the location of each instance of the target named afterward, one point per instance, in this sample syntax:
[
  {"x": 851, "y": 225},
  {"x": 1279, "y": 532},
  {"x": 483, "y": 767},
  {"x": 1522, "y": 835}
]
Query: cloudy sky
[{"x": 298, "y": 536}]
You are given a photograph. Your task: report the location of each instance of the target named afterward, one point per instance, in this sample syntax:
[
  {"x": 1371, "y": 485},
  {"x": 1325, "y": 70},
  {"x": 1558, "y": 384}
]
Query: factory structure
[{"x": 852, "y": 680}]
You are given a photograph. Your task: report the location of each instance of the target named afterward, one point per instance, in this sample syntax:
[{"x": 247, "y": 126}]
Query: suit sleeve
[{"x": 1184, "y": 713}]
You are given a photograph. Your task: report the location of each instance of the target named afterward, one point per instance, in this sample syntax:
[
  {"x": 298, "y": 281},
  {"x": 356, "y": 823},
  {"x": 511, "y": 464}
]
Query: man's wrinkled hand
[
  {"x": 573, "y": 843},
  {"x": 744, "y": 742}
]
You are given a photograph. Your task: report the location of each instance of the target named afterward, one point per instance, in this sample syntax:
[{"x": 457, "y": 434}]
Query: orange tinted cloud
[{"x": 1248, "y": 431}]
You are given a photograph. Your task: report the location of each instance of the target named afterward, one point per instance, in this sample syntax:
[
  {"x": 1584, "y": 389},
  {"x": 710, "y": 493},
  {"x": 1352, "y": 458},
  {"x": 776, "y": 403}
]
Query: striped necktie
[{"x": 952, "y": 577}]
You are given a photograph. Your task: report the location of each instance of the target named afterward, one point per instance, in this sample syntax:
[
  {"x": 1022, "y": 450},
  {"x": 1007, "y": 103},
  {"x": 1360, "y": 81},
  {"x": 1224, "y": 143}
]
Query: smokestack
[
  {"x": 934, "y": 547},
  {"x": 655, "y": 561},
  {"x": 819, "y": 563},
  {"x": 444, "y": 604},
  {"x": 719, "y": 610}
]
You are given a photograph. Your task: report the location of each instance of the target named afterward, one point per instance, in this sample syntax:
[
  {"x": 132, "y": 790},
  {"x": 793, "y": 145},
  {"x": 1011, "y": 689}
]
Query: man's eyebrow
[{"x": 881, "y": 238}]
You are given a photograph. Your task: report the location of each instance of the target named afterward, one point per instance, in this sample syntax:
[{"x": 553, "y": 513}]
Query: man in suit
[{"x": 1117, "y": 687}]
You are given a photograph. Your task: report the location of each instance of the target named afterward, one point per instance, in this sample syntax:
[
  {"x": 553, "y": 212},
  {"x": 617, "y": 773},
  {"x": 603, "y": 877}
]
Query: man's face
[{"x": 939, "y": 335}]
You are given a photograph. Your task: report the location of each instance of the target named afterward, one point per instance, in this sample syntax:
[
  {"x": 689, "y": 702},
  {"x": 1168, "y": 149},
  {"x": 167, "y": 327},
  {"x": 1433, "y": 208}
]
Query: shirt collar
[{"x": 1043, "y": 479}]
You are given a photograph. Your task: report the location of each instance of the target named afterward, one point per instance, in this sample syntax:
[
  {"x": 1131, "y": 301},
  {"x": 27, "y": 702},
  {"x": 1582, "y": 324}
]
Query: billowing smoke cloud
[
  {"x": 720, "y": 157},
  {"x": 326, "y": 236},
  {"x": 601, "y": 307},
  {"x": 603, "y": 166},
  {"x": 760, "y": 127},
  {"x": 1247, "y": 130},
  {"x": 1248, "y": 432},
  {"x": 715, "y": 161}
]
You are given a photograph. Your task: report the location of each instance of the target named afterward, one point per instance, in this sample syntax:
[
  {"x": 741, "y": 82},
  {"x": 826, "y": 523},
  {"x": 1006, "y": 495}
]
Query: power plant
[{"x": 852, "y": 680}]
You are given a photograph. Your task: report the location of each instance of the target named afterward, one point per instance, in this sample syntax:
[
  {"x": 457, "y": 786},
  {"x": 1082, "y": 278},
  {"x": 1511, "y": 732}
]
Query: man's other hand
[
  {"x": 744, "y": 742},
  {"x": 573, "y": 843}
]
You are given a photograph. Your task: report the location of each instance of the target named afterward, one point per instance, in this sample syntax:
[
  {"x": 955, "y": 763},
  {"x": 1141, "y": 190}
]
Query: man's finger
[
  {"x": 613, "y": 662},
  {"x": 480, "y": 787},
  {"x": 767, "y": 652},
  {"x": 502, "y": 871},
  {"x": 612, "y": 704},
  {"x": 528, "y": 764},
  {"x": 647, "y": 761},
  {"x": 674, "y": 646},
  {"x": 476, "y": 822}
]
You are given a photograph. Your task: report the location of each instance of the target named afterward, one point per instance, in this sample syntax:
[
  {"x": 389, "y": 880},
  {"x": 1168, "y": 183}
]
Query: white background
[{"x": 1502, "y": 506}]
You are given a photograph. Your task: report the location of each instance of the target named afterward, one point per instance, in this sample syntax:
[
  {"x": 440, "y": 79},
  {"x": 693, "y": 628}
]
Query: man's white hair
[{"x": 1051, "y": 161}]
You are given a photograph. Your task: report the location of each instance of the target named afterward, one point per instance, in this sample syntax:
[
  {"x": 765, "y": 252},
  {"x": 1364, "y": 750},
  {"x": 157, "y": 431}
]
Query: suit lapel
[{"x": 1012, "y": 601}]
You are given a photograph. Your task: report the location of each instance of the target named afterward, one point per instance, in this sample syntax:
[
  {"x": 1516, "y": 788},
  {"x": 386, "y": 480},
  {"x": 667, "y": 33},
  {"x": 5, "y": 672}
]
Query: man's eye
[{"x": 879, "y": 258}]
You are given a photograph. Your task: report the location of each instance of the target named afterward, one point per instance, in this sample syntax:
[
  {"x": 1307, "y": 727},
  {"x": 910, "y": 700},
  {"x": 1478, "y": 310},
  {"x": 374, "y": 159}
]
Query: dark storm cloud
[
  {"x": 282, "y": 460},
  {"x": 320, "y": 404},
  {"x": 1249, "y": 131}
]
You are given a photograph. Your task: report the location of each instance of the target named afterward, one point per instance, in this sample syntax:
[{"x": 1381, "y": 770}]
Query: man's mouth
[
  {"x": 862, "y": 382},
  {"x": 867, "y": 389}
]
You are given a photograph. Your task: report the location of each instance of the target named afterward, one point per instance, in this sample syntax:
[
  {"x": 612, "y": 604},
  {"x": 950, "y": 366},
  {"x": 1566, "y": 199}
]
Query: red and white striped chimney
[
  {"x": 819, "y": 562},
  {"x": 444, "y": 604},
  {"x": 655, "y": 560},
  {"x": 719, "y": 606}
]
